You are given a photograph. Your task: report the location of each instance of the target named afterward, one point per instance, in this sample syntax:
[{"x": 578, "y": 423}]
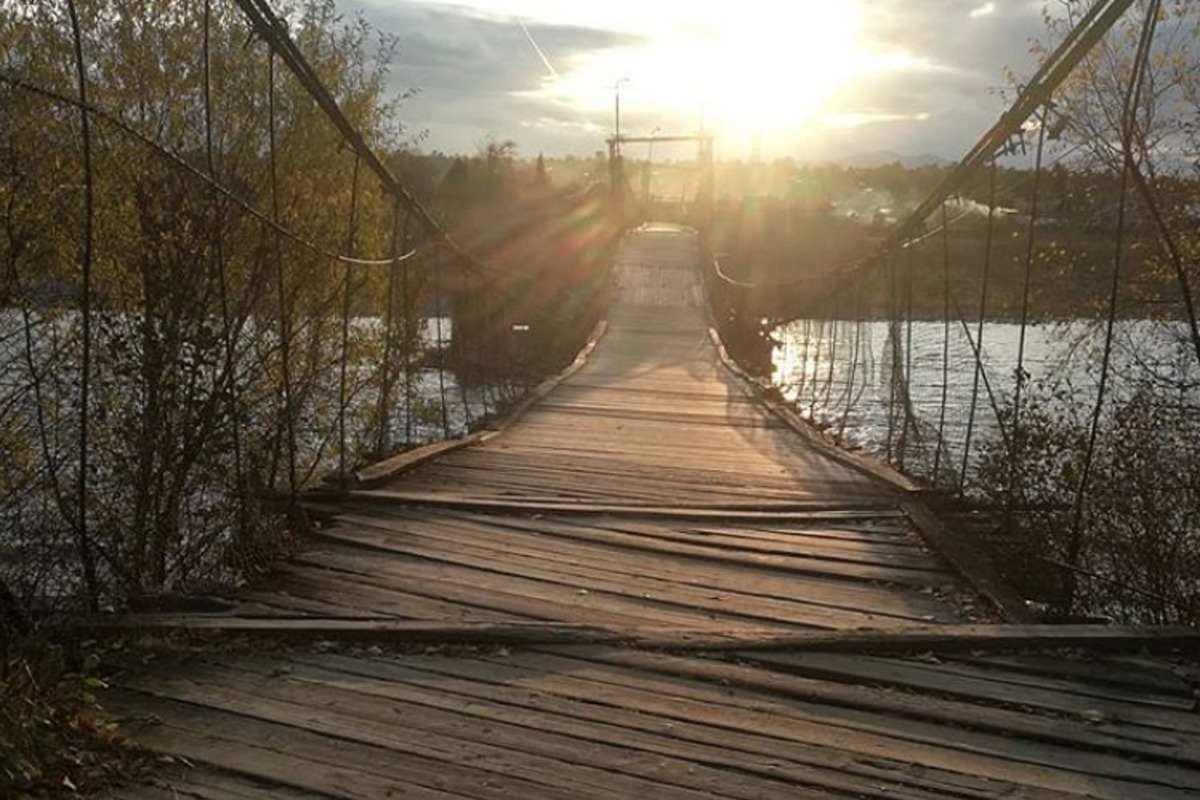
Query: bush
[
  {"x": 52, "y": 731},
  {"x": 1131, "y": 551}
]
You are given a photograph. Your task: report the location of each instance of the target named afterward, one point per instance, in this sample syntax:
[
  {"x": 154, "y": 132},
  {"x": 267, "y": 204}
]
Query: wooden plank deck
[
  {"x": 599, "y": 722},
  {"x": 652, "y": 417},
  {"x": 648, "y": 492},
  {"x": 423, "y": 563}
]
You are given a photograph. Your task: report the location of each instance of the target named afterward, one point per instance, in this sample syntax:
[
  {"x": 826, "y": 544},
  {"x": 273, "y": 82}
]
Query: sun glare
[
  {"x": 743, "y": 70},
  {"x": 770, "y": 74}
]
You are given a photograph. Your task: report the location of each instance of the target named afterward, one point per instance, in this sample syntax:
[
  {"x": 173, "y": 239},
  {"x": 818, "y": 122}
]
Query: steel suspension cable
[
  {"x": 1020, "y": 374},
  {"x": 1173, "y": 250},
  {"x": 941, "y": 434},
  {"x": 461, "y": 330},
  {"x": 814, "y": 384},
  {"x": 993, "y": 400},
  {"x": 906, "y": 376},
  {"x": 388, "y": 376},
  {"x": 1129, "y": 122},
  {"x": 832, "y": 361},
  {"x": 1054, "y": 69},
  {"x": 978, "y": 350},
  {"x": 113, "y": 121},
  {"x": 893, "y": 334},
  {"x": 441, "y": 351},
  {"x": 347, "y": 301},
  {"x": 803, "y": 359},
  {"x": 273, "y": 30},
  {"x": 408, "y": 351},
  {"x": 285, "y": 332},
  {"x": 83, "y": 538},
  {"x": 854, "y": 357},
  {"x": 217, "y": 265}
]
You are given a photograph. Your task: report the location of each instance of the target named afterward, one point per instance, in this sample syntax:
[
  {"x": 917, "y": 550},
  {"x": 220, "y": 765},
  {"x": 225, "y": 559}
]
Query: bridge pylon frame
[{"x": 706, "y": 192}]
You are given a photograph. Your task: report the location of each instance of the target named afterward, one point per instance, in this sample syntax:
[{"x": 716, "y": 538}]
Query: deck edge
[
  {"x": 388, "y": 468},
  {"x": 974, "y": 567},
  {"x": 812, "y": 436}
]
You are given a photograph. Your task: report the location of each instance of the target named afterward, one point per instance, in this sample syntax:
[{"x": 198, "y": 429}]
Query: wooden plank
[
  {"x": 789, "y": 564},
  {"x": 530, "y": 597},
  {"x": 581, "y": 757},
  {"x": 915, "y": 639},
  {"x": 1092, "y": 678},
  {"x": 982, "y": 685},
  {"x": 328, "y": 765},
  {"x": 281, "y": 601},
  {"x": 795, "y": 546},
  {"x": 541, "y": 712},
  {"x": 829, "y": 536},
  {"x": 390, "y": 467},
  {"x": 1103, "y": 736},
  {"x": 991, "y": 638},
  {"x": 544, "y": 461},
  {"x": 1157, "y": 676},
  {"x": 767, "y": 512},
  {"x": 595, "y": 478},
  {"x": 1049, "y": 767},
  {"x": 791, "y": 474},
  {"x": 475, "y": 683},
  {"x": 396, "y": 534},
  {"x": 381, "y": 601},
  {"x": 205, "y": 783},
  {"x": 693, "y": 591},
  {"x": 886, "y": 531},
  {"x": 372, "y": 724}
]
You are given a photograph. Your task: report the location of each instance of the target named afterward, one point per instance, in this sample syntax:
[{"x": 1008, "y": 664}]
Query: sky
[{"x": 816, "y": 80}]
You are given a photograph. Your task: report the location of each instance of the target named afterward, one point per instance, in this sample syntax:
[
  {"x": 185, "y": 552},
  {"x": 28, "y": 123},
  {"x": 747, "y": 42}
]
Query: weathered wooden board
[{"x": 601, "y": 722}]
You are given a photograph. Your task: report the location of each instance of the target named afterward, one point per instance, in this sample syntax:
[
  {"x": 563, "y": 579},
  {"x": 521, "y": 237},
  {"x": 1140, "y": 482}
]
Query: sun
[
  {"x": 749, "y": 69},
  {"x": 772, "y": 72}
]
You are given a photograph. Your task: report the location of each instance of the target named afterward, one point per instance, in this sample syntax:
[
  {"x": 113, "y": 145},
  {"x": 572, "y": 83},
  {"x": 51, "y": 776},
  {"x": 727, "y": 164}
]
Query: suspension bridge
[
  {"x": 551, "y": 584},
  {"x": 641, "y": 572}
]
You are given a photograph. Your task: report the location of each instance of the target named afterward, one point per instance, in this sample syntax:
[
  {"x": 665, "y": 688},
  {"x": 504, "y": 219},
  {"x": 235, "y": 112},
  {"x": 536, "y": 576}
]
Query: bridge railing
[
  {"x": 1027, "y": 338},
  {"x": 216, "y": 291}
]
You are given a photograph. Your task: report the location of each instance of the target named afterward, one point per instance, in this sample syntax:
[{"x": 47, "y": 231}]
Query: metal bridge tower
[{"x": 701, "y": 207}]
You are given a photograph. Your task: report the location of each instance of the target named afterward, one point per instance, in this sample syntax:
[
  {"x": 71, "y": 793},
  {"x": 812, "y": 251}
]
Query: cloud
[
  {"x": 475, "y": 73},
  {"x": 478, "y": 73},
  {"x": 949, "y": 107}
]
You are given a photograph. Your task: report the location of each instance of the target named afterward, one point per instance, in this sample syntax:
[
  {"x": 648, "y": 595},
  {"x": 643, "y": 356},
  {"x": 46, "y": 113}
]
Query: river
[{"x": 814, "y": 366}]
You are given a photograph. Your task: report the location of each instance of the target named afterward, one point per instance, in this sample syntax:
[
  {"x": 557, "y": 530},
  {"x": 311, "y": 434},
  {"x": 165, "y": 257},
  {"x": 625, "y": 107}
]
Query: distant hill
[{"x": 879, "y": 158}]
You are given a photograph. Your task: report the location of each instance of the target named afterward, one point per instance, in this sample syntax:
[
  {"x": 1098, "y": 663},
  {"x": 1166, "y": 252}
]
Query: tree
[
  {"x": 498, "y": 158},
  {"x": 190, "y": 288},
  {"x": 456, "y": 182}
]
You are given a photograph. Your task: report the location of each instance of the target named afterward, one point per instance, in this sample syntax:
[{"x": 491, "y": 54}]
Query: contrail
[{"x": 537, "y": 49}]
